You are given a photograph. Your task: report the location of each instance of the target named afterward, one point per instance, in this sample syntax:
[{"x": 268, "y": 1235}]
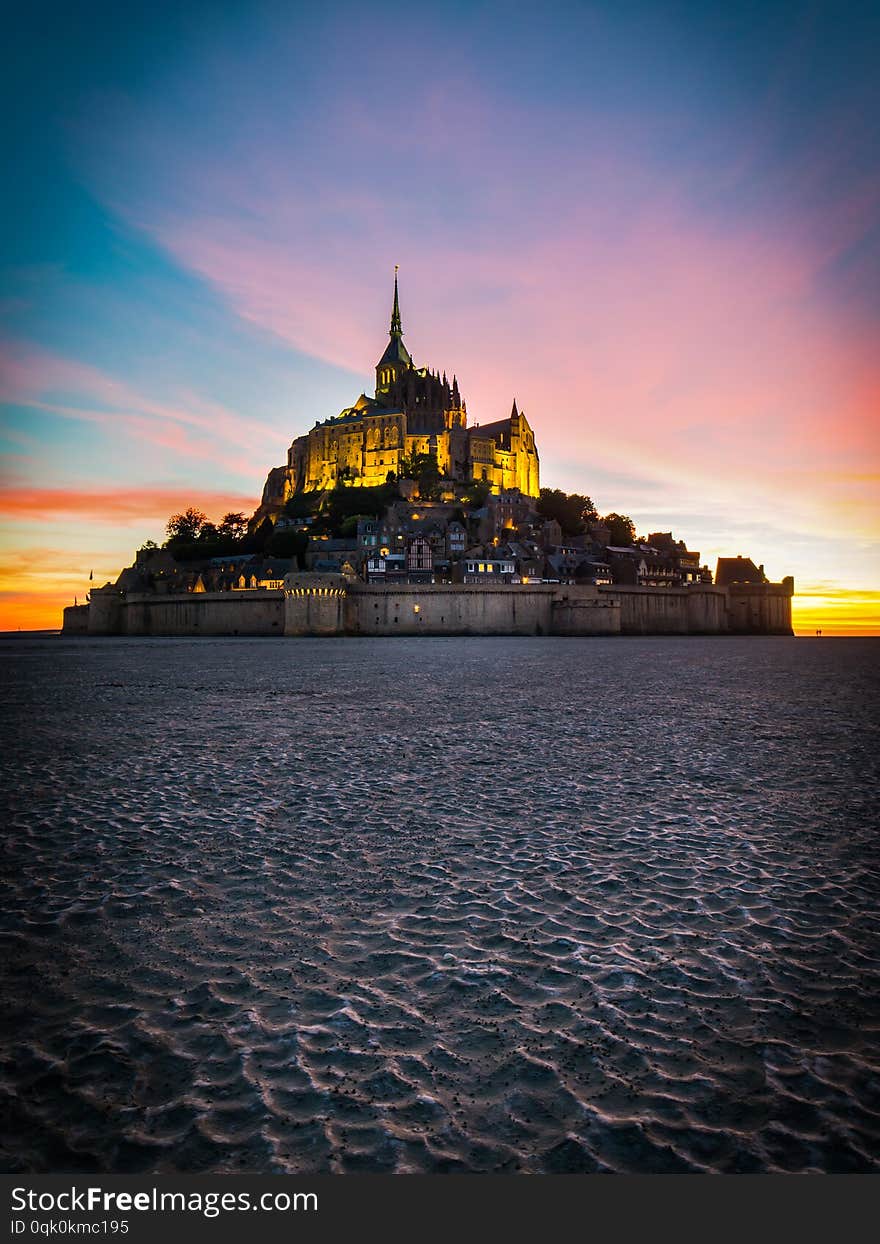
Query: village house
[
  {"x": 738, "y": 569},
  {"x": 485, "y": 569},
  {"x": 419, "y": 560}
]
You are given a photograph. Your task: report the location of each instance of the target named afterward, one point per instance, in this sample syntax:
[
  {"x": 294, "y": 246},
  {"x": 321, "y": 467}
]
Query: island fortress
[
  {"x": 414, "y": 411},
  {"x": 398, "y": 518}
]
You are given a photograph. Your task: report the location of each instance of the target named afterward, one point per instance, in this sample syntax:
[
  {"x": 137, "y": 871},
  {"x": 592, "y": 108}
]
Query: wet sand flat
[{"x": 434, "y": 905}]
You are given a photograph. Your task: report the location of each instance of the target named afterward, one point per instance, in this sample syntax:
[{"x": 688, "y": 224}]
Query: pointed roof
[
  {"x": 396, "y": 351},
  {"x": 396, "y": 326},
  {"x": 490, "y": 431}
]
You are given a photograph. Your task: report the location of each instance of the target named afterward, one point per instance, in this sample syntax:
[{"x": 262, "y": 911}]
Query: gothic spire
[
  {"x": 396, "y": 326},
  {"x": 514, "y": 412},
  {"x": 396, "y": 358}
]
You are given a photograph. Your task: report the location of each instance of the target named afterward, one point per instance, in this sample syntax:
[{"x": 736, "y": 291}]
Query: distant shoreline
[
  {"x": 808, "y": 634},
  {"x": 47, "y": 630}
]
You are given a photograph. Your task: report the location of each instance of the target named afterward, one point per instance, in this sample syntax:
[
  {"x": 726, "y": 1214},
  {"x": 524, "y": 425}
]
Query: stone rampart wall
[{"x": 313, "y": 604}]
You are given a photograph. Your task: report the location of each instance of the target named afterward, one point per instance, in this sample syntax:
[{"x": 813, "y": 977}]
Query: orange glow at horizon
[
  {"x": 32, "y": 598},
  {"x": 836, "y": 611},
  {"x": 53, "y": 539}
]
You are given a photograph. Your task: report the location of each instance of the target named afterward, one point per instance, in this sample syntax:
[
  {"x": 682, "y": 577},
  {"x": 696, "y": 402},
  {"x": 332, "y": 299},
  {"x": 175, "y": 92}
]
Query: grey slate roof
[{"x": 396, "y": 352}]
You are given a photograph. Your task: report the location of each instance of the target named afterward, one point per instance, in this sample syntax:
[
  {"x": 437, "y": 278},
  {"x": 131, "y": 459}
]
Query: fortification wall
[
  {"x": 585, "y": 611},
  {"x": 651, "y": 611},
  {"x": 706, "y": 610},
  {"x": 205, "y": 613},
  {"x": 313, "y": 604},
  {"x": 76, "y": 620},
  {"x": 105, "y": 611},
  {"x": 449, "y": 609},
  {"x": 698, "y": 610},
  {"x": 760, "y": 608}
]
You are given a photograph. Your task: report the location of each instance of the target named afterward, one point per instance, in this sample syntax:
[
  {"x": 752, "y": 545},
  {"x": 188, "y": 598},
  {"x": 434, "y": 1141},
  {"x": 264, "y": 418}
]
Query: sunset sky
[{"x": 656, "y": 225}]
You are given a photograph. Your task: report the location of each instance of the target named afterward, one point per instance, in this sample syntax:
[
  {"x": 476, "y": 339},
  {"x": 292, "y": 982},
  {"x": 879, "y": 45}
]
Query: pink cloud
[
  {"x": 31, "y": 376},
  {"x": 115, "y": 505}
]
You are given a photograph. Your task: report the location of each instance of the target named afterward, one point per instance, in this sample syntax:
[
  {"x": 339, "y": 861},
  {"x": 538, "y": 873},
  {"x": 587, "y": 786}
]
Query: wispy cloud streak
[
  {"x": 114, "y": 505},
  {"x": 30, "y": 376}
]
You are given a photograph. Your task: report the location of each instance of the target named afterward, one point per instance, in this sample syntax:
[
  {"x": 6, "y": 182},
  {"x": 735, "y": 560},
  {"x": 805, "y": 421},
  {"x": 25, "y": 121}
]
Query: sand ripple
[{"x": 441, "y": 905}]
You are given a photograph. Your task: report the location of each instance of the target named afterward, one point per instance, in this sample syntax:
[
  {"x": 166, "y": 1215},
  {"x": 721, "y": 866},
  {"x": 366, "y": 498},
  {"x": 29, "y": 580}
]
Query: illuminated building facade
[{"x": 413, "y": 411}]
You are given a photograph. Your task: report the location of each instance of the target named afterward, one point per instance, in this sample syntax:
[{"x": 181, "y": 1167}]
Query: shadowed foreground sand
[{"x": 439, "y": 905}]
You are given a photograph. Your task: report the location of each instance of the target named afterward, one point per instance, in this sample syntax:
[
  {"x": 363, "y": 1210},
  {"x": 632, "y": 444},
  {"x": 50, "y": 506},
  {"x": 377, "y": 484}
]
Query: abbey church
[{"x": 414, "y": 411}]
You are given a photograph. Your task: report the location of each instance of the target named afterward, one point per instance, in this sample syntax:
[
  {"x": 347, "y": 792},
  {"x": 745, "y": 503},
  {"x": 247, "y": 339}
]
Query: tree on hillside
[
  {"x": 424, "y": 469},
  {"x": 478, "y": 492},
  {"x": 303, "y": 504},
  {"x": 186, "y": 527},
  {"x": 586, "y": 509},
  {"x": 349, "y": 501},
  {"x": 349, "y": 525},
  {"x": 571, "y": 510},
  {"x": 289, "y": 544},
  {"x": 232, "y": 526},
  {"x": 622, "y": 530}
]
